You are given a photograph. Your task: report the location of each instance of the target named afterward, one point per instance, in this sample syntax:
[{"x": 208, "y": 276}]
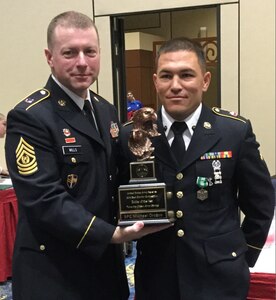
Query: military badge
[
  {"x": 66, "y": 132},
  {"x": 72, "y": 180},
  {"x": 216, "y": 155},
  {"x": 70, "y": 140},
  {"x": 61, "y": 102},
  {"x": 217, "y": 171},
  {"x": 207, "y": 125},
  {"x": 29, "y": 100},
  {"x": 202, "y": 194},
  {"x": 233, "y": 113},
  {"x": 114, "y": 129},
  {"x": 25, "y": 158}
]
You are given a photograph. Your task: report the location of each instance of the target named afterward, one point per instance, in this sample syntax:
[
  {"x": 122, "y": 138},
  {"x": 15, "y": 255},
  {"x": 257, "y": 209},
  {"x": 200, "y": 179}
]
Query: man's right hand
[{"x": 135, "y": 231}]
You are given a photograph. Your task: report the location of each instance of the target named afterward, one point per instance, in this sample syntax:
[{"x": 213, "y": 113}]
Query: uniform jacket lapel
[
  {"x": 102, "y": 120},
  {"x": 70, "y": 112},
  {"x": 161, "y": 146},
  {"x": 206, "y": 135}
]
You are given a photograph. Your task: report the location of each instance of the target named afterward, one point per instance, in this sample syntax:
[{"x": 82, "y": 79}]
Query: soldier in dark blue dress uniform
[
  {"x": 61, "y": 154},
  {"x": 206, "y": 255}
]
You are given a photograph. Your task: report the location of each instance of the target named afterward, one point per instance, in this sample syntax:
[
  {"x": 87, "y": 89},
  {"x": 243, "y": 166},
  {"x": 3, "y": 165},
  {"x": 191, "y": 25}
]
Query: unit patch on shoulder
[
  {"x": 228, "y": 114},
  {"x": 35, "y": 98},
  {"x": 25, "y": 158}
]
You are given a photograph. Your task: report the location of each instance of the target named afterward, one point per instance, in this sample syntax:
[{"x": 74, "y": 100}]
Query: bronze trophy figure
[{"x": 143, "y": 199}]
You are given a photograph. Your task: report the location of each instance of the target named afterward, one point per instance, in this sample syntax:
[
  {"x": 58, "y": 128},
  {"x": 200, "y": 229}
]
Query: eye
[
  {"x": 187, "y": 75},
  {"x": 68, "y": 53},
  {"x": 91, "y": 52},
  {"x": 165, "y": 76}
]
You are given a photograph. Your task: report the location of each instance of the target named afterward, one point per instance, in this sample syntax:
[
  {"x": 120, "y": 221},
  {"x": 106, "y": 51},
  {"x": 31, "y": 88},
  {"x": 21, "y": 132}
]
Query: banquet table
[
  {"x": 262, "y": 276},
  {"x": 8, "y": 222}
]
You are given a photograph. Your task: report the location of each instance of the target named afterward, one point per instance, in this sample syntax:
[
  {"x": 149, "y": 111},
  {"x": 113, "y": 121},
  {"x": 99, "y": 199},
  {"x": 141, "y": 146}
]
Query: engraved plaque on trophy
[{"x": 143, "y": 199}]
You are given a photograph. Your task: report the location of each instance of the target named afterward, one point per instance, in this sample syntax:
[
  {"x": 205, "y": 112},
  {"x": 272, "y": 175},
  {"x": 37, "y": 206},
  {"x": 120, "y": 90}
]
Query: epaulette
[
  {"x": 34, "y": 98},
  {"x": 228, "y": 114},
  {"x": 128, "y": 123}
]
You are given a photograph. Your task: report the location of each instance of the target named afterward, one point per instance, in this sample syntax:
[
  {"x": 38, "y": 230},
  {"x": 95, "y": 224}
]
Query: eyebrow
[{"x": 181, "y": 70}]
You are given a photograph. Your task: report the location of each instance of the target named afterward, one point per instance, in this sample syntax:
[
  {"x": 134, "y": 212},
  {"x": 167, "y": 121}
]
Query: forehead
[
  {"x": 178, "y": 59},
  {"x": 64, "y": 34}
]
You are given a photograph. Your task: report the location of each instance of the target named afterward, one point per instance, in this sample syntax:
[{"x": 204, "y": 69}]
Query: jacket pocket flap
[{"x": 228, "y": 246}]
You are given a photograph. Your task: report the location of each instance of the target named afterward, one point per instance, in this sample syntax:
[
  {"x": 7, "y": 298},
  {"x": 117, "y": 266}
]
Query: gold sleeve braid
[
  {"x": 88, "y": 228},
  {"x": 254, "y": 247}
]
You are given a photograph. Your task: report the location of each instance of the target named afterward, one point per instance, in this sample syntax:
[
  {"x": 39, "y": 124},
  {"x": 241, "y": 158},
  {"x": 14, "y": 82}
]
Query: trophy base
[
  {"x": 144, "y": 202},
  {"x": 146, "y": 222}
]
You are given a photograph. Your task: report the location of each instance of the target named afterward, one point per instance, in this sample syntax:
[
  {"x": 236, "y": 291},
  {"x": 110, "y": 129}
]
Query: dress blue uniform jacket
[
  {"x": 64, "y": 177},
  {"x": 206, "y": 255}
]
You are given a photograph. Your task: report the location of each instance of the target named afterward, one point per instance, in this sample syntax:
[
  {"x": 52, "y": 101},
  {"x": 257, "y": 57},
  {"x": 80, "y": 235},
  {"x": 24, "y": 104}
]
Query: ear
[
  {"x": 49, "y": 57},
  {"x": 206, "y": 81},
  {"x": 154, "y": 77}
]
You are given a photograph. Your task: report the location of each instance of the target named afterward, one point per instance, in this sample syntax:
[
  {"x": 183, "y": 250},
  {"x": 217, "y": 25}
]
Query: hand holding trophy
[{"x": 143, "y": 199}]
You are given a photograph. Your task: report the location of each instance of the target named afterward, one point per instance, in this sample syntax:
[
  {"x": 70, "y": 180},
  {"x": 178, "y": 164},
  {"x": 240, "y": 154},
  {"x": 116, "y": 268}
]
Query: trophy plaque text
[{"x": 143, "y": 199}]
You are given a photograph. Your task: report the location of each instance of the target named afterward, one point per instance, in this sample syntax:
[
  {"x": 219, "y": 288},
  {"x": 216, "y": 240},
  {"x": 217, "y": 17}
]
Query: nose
[
  {"x": 81, "y": 59},
  {"x": 175, "y": 84}
]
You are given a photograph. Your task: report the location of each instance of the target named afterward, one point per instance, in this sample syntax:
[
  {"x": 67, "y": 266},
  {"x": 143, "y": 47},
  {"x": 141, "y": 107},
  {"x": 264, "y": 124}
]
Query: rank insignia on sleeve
[{"x": 25, "y": 158}]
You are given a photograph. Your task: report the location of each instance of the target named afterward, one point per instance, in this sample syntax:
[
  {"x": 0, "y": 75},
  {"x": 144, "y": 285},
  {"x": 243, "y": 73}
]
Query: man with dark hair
[
  {"x": 61, "y": 150},
  {"x": 212, "y": 167}
]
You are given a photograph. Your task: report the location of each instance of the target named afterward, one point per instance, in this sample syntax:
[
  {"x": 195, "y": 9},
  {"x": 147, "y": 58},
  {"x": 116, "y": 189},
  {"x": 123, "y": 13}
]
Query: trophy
[{"x": 143, "y": 199}]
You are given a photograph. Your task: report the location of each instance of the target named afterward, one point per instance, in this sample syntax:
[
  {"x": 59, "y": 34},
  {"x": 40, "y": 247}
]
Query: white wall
[{"x": 257, "y": 72}]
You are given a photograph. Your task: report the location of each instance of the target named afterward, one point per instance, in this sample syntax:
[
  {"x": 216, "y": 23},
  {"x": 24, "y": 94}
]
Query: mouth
[
  {"x": 81, "y": 75},
  {"x": 176, "y": 98}
]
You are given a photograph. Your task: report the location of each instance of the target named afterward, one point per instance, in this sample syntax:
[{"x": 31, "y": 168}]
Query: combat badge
[{"x": 25, "y": 158}]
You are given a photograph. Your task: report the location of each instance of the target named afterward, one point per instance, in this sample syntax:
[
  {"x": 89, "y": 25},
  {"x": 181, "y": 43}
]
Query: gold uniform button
[
  {"x": 234, "y": 254},
  {"x": 179, "y": 214},
  {"x": 73, "y": 160},
  {"x": 180, "y": 233},
  {"x": 42, "y": 247},
  {"x": 179, "y": 194},
  {"x": 179, "y": 176},
  {"x": 169, "y": 195}
]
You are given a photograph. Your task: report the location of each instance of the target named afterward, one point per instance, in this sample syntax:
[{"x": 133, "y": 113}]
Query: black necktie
[
  {"x": 178, "y": 145},
  {"x": 87, "y": 108}
]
